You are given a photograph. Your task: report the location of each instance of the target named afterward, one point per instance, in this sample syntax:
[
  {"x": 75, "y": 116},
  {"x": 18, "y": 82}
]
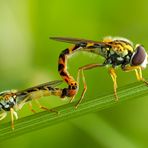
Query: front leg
[
  {"x": 3, "y": 115},
  {"x": 138, "y": 72},
  {"x": 13, "y": 113}
]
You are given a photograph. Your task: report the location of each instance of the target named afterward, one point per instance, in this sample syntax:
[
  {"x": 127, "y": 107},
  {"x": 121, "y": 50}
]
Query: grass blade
[{"x": 44, "y": 119}]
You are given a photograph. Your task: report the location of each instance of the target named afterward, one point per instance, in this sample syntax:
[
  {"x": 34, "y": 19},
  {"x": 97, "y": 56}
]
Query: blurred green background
[{"x": 28, "y": 58}]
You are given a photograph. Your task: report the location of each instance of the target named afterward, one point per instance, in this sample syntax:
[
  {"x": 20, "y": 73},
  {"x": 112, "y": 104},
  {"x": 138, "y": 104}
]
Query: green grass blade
[{"x": 44, "y": 119}]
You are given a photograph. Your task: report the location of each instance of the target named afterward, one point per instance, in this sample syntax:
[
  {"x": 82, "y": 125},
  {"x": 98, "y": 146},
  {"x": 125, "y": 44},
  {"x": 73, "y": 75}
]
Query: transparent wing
[
  {"x": 48, "y": 84},
  {"x": 51, "y": 83},
  {"x": 78, "y": 41}
]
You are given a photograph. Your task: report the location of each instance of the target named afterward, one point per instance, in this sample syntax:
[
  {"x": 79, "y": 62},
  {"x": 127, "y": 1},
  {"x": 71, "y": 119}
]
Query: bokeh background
[{"x": 28, "y": 58}]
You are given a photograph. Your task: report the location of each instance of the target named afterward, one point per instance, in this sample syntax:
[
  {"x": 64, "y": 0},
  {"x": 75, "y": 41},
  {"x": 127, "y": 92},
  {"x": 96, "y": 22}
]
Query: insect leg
[
  {"x": 12, "y": 119},
  {"x": 3, "y": 115},
  {"x": 31, "y": 108},
  {"x": 13, "y": 113},
  {"x": 81, "y": 71},
  {"x": 24, "y": 100},
  {"x": 114, "y": 76},
  {"x": 138, "y": 71},
  {"x": 45, "y": 108},
  {"x": 140, "y": 76}
]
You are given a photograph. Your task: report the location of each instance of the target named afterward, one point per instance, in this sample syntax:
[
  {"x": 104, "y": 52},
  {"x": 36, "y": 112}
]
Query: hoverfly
[
  {"x": 116, "y": 52},
  {"x": 13, "y": 100}
]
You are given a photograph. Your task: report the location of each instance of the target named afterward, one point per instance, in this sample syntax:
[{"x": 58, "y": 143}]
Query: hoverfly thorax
[{"x": 139, "y": 57}]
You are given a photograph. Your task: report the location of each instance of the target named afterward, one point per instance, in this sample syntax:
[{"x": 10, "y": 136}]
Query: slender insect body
[
  {"x": 116, "y": 52},
  {"x": 112, "y": 56},
  {"x": 42, "y": 93},
  {"x": 14, "y": 100}
]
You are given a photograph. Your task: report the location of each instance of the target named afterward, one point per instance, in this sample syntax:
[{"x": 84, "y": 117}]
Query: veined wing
[
  {"x": 42, "y": 86},
  {"x": 79, "y": 41}
]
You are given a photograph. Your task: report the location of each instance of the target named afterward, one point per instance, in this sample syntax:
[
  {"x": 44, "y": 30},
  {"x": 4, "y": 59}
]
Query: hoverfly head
[{"x": 140, "y": 57}]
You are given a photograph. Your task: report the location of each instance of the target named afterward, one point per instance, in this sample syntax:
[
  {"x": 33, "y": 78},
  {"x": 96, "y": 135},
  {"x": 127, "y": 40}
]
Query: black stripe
[
  {"x": 62, "y": 56},
  {"x": 66, "y": 51},
  {"x": 64, "y": 93},
  {"x": 31, "y": 90},
  {"x": 62, "y": 73},
  {"x": 66, "y": 80},
  {"x": 60, "y": 67},
  {"x": 78, "y": 45},
  {"x": 50, "y": 88},
  {"x": 82, "y": 44},
  {"x": 72, "y": 87}
]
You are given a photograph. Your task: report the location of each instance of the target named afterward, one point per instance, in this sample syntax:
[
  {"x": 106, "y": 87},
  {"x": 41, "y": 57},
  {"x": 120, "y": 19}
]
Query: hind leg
[
  {"x": 81, "y": 73},
  {"x": 31, "y": 108},
  {"x": 45, "y": 108}
]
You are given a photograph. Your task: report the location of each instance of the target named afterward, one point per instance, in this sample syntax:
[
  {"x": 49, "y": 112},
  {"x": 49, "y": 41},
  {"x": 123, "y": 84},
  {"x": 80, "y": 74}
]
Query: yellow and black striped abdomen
[{"x": 62, "y": 66}]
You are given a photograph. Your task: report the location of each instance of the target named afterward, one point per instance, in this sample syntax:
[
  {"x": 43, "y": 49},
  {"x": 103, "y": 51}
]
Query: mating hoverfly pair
[{"x": 116, "y": 52}]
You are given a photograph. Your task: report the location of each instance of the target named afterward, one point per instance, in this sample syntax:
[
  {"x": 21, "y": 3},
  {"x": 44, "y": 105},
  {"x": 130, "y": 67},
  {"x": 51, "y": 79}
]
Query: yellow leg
[
  {"x": 114, "y": 76},
  {"x": 138, "y": 71},
  {"x": 13, "y": 113},
  {"x": 81, "y": 72},
  {"x": 12, "y": 118},
  {"x": 141, "y": 77},
  {"x": 3, "y": 115},
  {"x": 84, "y": 89},
  {"x": 137, "y": 75},
  {"x": 45, "y": 108},
  {"x": 31, "y": 108}
]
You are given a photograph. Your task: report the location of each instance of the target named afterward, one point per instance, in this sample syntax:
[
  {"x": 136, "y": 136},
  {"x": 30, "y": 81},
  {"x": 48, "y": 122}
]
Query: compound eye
[{"x": 139, "y": 56}]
